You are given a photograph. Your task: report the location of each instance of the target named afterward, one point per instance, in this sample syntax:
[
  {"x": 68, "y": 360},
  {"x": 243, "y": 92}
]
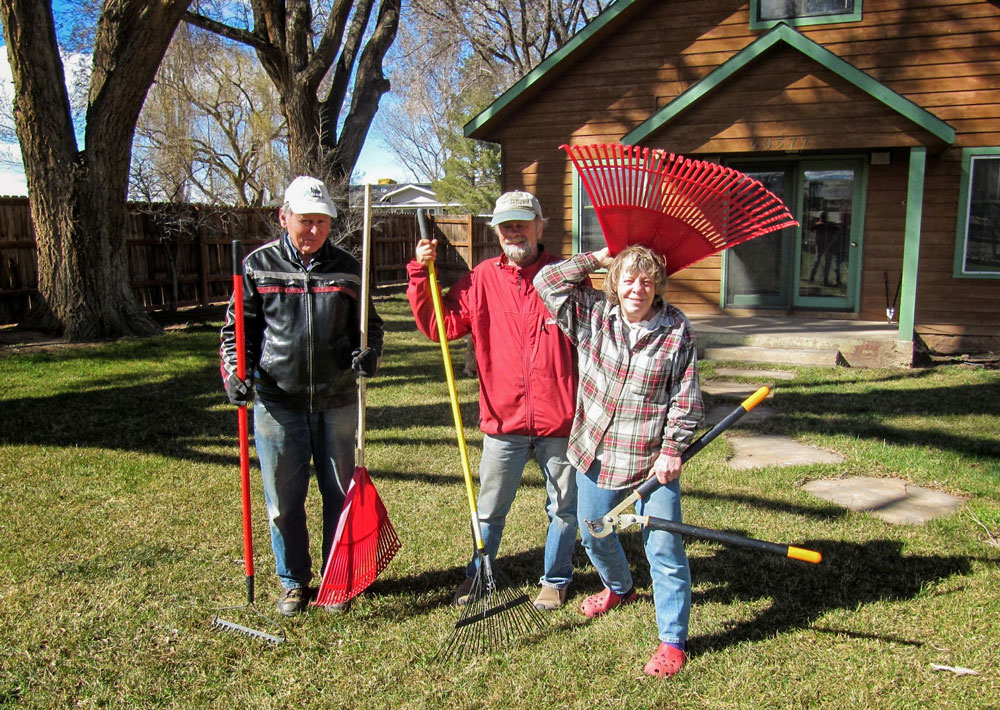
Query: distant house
[
  {"x": 876, "y": 121},
  {"x": 402, "y": 197}
]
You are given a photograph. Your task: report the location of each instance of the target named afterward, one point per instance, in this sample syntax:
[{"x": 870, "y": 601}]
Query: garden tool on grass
[
  {"x": 249, "y": 609},
  {"x": 365, "y": 541},
  {"x": 496, "y": 614},
  {"x": 617, "y": 519}
]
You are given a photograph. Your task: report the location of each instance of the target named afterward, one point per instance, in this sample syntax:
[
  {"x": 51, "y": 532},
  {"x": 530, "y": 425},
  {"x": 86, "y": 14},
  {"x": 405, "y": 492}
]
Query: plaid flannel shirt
[{"x": 635, "y": 401}]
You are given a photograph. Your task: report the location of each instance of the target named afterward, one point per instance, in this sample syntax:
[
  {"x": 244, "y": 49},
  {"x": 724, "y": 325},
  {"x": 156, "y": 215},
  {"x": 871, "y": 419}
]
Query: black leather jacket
[{"x": 302, "y": 325}]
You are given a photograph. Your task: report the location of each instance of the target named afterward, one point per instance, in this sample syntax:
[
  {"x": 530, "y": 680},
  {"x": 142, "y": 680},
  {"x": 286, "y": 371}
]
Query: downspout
[{"x": 911, "y": 248}]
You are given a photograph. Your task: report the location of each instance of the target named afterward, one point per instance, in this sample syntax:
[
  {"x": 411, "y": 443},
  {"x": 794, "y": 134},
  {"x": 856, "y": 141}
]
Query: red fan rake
[
  {"x": 680, "y": 208},
  {"x": 363, "y": 546}
]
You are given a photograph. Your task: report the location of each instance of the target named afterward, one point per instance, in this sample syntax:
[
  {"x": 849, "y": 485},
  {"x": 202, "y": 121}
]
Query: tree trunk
[
  {"x": 77, "y": 198},
  {"x": 301, "y": 109},
  {"x": 83, "y": 275}
]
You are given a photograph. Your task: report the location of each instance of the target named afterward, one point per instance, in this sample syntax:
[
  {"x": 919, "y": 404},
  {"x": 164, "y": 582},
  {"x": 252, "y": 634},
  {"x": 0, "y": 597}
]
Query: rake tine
[
  {"x": 496, "y": 616},
  {"x": 256, "y": 633},
  {"x": 228, "y": 625}
]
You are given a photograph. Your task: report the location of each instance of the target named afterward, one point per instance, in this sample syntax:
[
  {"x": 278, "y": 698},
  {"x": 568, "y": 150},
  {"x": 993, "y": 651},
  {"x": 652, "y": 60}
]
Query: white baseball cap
[
  {"x": 307, "y": 195},
  {"x": 516, "y": 206}
]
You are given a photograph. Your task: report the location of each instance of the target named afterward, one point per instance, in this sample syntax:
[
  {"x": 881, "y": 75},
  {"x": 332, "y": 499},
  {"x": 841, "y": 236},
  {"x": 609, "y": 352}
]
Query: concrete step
[{"x": 822, "y": 357}]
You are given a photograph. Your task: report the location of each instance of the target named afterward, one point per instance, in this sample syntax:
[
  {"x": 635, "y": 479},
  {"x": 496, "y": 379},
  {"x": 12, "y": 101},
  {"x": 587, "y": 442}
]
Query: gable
[
  {"x": 553, "y": 66},
  {"x": 781, "y": 80},
  {"x": 410, "y": 194}
]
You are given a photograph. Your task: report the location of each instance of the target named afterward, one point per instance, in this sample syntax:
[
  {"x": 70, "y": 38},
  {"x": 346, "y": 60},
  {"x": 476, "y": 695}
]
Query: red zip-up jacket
[{"x": 527, "y": 367}]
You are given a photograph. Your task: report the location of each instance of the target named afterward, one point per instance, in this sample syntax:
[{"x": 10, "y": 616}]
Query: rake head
[
  {"x": 496, "y": 616},
  {"x": 254, "y": 615},
  {"x": 364, "y": 544},
  {"x": 680, "y": 208}
]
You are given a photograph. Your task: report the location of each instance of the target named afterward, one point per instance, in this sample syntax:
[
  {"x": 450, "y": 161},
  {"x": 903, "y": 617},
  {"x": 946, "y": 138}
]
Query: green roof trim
[
  {"x": 783, "y": 33},
  {"x": 548, "y": 65}
]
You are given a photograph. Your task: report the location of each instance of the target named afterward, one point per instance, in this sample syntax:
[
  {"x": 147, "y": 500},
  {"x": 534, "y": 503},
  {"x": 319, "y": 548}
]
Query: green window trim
[
  {"x": 964, "y": 207},
  {"x": 756, "y": 24},
  {"x": 580, "y": 202}
]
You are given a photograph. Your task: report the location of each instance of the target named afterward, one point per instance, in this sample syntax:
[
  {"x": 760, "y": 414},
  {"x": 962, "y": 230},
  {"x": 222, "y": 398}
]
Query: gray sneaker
[
  {"x": 550, "y": 598},
  {"x": 464, "y": 591},
  {"x": 292, "y": 601},
  {"x": 341, "y": 608}
]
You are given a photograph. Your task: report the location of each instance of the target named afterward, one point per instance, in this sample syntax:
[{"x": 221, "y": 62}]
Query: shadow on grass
[
  {"x": 176, "y": 416},
  {"x": 825, "y": 512},
  {"x": 850, "y": 575},
  {"x": 861, "y": 415}
]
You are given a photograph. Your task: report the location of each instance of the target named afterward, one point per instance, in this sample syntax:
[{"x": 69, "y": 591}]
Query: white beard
[{"x": 520, "y": 253}]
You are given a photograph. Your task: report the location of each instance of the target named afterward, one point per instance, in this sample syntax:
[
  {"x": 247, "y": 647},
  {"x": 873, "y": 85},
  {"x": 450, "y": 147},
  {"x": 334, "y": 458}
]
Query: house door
[{"x": 812, "y": 266}]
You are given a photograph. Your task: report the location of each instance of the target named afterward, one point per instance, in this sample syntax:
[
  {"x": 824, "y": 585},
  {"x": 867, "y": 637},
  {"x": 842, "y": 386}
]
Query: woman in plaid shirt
[{"x": 638, "y": 404}]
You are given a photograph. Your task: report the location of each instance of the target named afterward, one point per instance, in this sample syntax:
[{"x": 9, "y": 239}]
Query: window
[
  {"x": 767, "y": 13},
  {"x": 589, "y": 236},
  {"x": 977, "y": 244}
]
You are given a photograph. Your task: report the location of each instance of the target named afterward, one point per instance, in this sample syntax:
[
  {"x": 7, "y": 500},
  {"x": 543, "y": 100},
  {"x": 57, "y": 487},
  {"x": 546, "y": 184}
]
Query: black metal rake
[{"x": 496, "y": 614}]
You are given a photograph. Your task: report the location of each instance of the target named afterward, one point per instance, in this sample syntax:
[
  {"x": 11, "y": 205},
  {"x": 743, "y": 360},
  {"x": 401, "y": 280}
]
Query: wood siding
[{"x": 943, "y": 56}]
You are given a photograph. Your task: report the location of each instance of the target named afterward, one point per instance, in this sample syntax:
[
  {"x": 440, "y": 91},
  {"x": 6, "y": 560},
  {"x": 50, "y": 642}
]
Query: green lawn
[{"x": 120, "y": 537}]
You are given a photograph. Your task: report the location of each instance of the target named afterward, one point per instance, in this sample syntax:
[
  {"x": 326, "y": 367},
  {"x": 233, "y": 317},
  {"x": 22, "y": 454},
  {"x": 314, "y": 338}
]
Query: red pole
[{"x": 244, "y": 433}]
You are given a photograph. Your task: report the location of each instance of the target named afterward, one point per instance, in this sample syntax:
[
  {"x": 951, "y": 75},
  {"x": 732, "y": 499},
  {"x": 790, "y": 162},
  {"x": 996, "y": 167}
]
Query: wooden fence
[{"x": 181, "y": 255}]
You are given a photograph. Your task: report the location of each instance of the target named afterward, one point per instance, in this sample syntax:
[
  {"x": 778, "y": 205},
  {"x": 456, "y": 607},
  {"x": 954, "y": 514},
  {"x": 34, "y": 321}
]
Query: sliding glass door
[{"x": 812, "y": 266}]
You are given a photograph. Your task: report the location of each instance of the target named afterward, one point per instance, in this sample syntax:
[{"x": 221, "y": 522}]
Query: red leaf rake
[{"x": 683, "y": 209}]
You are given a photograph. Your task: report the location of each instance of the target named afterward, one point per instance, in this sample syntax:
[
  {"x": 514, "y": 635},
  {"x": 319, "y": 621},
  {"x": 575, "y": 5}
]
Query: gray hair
[{"x": 637, "y": 259}]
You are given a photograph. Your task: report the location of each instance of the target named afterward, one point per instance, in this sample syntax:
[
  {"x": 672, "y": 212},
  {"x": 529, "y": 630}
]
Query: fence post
[
  {"x": 203, "y": 265},
  {"x": 470, "y": 258}
]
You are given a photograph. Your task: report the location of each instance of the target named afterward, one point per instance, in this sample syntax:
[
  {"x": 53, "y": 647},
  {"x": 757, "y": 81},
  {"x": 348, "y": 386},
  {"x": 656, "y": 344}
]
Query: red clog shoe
[
  {"x": 667, "y": 661},
  {"x": 604, "y": 602}
]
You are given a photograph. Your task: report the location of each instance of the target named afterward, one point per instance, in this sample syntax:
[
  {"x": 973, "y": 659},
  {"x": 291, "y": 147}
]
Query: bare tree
[
  {"x": 455, "y": 56},
  {"x": 304, "y": 47},
  {"x": 77, "y": 196},
  {"x": 516, "y": 34},
  {"x": 212, "y": 129}
]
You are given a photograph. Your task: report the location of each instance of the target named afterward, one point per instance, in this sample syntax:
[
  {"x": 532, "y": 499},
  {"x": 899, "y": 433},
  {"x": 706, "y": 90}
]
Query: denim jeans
[
  {"x": 668, "y": 565},
  {"x": 500, "y": 471},
  {"x": 287, "y": 440}
]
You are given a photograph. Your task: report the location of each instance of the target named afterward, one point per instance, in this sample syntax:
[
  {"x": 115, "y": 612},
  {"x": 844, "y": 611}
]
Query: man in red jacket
[{"x": 527, "y": 383}]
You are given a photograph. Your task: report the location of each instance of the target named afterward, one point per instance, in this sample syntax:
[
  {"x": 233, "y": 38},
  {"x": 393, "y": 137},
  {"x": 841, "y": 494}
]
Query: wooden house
[{"x": 876, "y": 121}]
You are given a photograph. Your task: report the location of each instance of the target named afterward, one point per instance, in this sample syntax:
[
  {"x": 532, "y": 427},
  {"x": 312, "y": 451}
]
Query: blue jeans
[
  {"x": 668, "y": 565},
  {"x": 287, "y": 440},
  {"x": 500, "y": 471}
]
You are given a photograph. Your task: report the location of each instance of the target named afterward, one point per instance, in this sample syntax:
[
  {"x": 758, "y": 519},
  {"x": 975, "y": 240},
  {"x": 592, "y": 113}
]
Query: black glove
[
  {"x": 240, "y": 392},
  {"x": 364, "y": 362}
]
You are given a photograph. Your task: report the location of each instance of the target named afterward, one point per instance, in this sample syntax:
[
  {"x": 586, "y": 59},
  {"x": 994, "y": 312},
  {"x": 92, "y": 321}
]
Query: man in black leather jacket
[{"x": 302, "y": 326}]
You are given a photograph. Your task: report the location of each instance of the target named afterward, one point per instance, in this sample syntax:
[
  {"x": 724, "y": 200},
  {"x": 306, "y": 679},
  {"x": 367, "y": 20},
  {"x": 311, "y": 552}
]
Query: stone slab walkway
[
  {"x": 729, "y": 390},
  {"x": 762, "y": 450},
  {"x": 760, "y": 374},
  {"x": 757, "y": 414},
  {"x": 891, "y": 499}
]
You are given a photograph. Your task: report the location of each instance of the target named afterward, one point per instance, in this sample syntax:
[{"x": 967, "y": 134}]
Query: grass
[{"x": 120, "y": 537}]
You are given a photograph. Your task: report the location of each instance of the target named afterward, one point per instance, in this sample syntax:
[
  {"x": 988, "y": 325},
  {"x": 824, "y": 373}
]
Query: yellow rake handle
[{"x": 456, "y": 411}]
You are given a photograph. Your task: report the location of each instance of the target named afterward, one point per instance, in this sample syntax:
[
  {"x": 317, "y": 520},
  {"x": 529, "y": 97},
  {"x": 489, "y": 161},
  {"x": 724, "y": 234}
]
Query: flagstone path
[{"x": 891, "y": 499}]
